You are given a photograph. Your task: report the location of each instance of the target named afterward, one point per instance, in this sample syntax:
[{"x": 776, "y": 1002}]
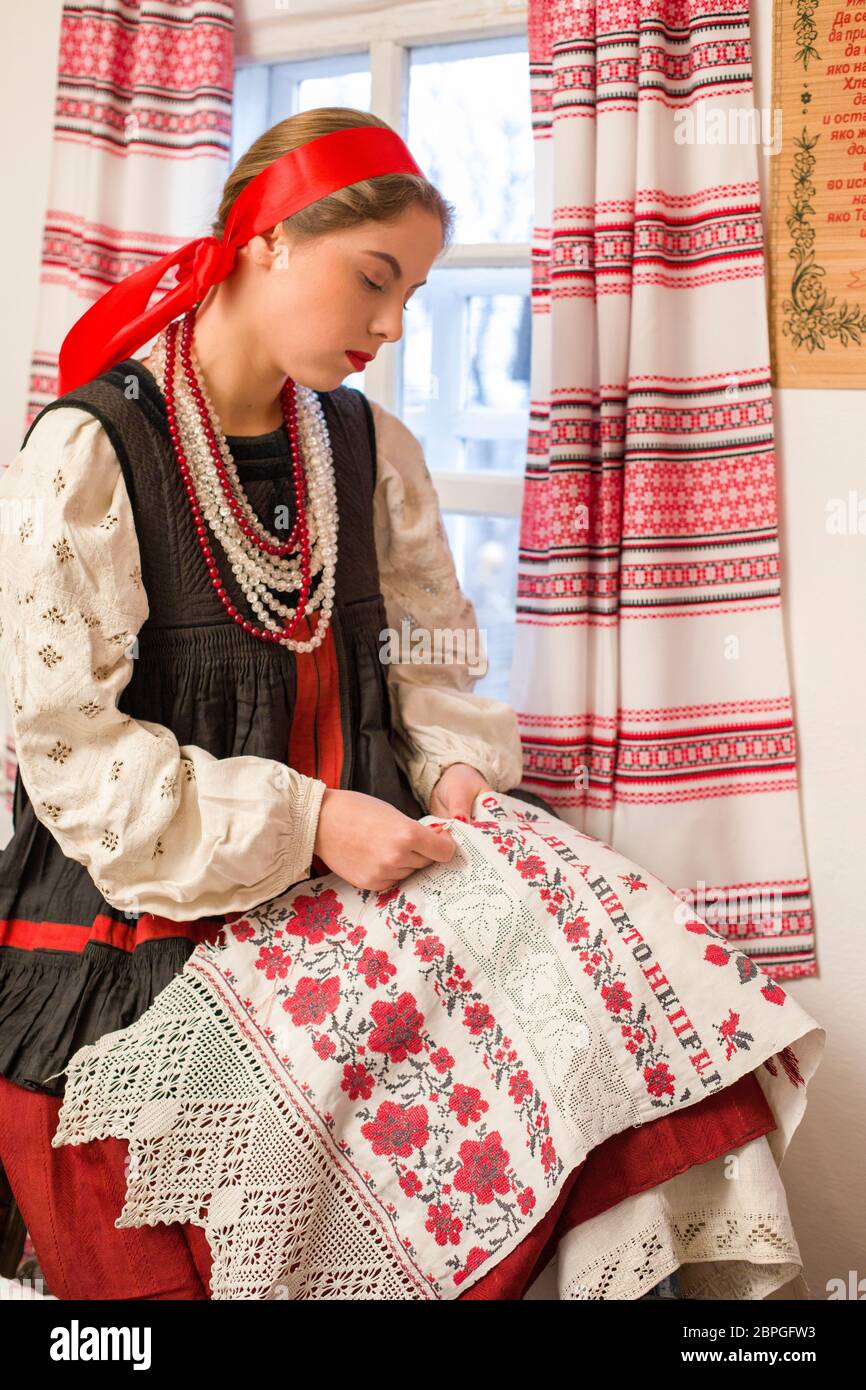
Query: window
[{"x": 460, "y": 376}]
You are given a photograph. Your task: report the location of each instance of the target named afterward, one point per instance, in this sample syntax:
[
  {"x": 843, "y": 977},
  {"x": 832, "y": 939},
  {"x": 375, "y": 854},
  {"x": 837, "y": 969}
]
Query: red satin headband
[{"x": 120, "y": 320}]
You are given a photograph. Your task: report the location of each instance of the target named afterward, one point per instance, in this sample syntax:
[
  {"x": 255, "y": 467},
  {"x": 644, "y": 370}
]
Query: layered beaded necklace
[{"x": 262, "y": 564}]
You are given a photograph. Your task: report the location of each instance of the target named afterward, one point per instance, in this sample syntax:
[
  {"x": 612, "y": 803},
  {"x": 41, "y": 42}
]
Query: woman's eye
[{"x": 373, "y": 286}]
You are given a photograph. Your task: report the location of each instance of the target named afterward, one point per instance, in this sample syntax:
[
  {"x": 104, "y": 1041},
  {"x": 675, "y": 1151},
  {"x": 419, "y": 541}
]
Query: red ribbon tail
[{"x": 95, "y": 343}]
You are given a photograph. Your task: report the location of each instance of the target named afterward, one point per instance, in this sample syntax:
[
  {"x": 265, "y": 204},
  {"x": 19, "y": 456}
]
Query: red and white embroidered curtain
[
  {"x": 141, "y": 148},
  {"x": 650, "y": 673}
]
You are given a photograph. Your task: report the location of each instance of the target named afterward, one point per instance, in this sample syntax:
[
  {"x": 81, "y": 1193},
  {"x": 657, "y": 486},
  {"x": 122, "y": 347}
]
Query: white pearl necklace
[{"x": 256, "y": 572}]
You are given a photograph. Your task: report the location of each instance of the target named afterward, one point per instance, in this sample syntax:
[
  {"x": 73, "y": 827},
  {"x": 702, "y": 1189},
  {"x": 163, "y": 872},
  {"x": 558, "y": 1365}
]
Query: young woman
[{"x": 192, "y": 615}]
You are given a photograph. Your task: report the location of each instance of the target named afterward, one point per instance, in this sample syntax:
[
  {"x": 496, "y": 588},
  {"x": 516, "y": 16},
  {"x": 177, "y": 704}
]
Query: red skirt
[{"x": 70, "y": 1197}]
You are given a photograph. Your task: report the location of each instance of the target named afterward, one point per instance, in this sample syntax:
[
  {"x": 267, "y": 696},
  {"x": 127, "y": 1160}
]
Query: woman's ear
[{"x": 270, "y": 250}]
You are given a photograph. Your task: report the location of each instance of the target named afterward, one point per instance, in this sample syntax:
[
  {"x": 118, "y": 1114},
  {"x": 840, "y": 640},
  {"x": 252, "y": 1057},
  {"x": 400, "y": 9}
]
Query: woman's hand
[
  {"x": 456, "y": 790},
  {"x": 373, "y": 845}
]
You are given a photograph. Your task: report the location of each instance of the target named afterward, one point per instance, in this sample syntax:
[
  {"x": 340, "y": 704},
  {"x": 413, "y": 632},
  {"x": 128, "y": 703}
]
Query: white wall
[
  {"x": 820, "y": 441},
  {"x": 26, "y": 118},
  {"x": 821, "y": 455}
]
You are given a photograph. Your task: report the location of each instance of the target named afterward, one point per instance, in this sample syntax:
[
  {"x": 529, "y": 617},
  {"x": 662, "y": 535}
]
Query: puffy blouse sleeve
[
  {"x": 437, "y": 719},
  {"x": 160, "y": 827}
]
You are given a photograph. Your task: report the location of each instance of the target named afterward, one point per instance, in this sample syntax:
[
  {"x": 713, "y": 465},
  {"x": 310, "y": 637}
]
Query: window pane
[
  {"x": 496, "y": 330},
  {"x": 352, "y": 89},
  {"x": 470, "y": 130},
  {"x": 265, "y": 93},
  {"x": 485, "y": 553},
  {"x": 419, "y": 383},
  {"x": 466, "y": 368},
  {"x": 493, "y": 455}
]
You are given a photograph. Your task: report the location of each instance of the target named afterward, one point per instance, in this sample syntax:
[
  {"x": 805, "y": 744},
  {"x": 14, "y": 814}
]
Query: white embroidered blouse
[{"x": 171, "y": 829}]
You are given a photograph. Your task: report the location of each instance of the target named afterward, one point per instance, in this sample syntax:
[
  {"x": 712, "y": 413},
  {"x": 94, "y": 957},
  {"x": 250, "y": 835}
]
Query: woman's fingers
[{"x": 433, "y": 844}]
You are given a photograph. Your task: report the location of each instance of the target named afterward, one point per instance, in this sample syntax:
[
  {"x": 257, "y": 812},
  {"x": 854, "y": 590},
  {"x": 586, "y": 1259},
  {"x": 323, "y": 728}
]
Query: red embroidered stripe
[{"x": 126, "y": 936}]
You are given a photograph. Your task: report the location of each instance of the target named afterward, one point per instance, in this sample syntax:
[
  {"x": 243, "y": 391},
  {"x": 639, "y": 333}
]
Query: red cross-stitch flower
[
  {"x": 716, "y": 955},
  {"x": 773, "y": 993},
  {"x": 530, "y": 866},
  {"x": 411, "y": 1184},
  {"x": 429, "y": 947},
  {"x": 357, "y": 1082},
  {"x": 375, "y": 967},
  {"x": 576, "y": 929},
  {"x": 397, "y": 1131},
  {"x": 313, "y": 1000},
  {"x": 659, "y": 1079},
  {"x": 467, "y": 1104},
  {"x": 477, "y": 1017},
  {"x": 274, "y": 961},
  {"x": 520, "y": 1086},
  {"x": 398, "y": 1027},
  {"x": 616, "y": 997},
  {"x": 475, "y": 1257},
  {"x": 442, "y": 1059},
  {"x": 483, "y": 1172},
  {"x": 314, "y": 916},
  {"x": 443, "y": 1224}
]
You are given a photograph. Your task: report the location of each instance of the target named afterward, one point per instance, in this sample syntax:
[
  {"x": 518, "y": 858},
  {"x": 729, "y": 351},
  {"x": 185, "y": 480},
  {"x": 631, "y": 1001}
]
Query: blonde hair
[{"x": 379, "y": 199}]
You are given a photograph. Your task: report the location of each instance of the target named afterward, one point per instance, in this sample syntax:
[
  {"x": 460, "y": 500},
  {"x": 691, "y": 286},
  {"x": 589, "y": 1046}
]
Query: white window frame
[{"x": 272, "y": 31}]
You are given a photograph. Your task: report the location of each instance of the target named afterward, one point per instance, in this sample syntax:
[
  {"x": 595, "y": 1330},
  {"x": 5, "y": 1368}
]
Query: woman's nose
[{"x": 389, "y": 325}]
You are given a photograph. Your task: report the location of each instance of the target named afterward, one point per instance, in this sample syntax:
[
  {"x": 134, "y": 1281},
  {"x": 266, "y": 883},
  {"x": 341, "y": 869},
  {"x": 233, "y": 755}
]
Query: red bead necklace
[{"x": 287, "y": 400}]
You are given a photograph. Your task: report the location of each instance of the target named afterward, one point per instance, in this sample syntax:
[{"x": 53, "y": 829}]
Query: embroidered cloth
[{"x": 378, "y": 1095}]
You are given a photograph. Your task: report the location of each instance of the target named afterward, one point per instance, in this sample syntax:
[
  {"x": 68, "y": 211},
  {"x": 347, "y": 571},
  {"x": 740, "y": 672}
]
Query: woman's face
[{"x": 342, "y": 291}]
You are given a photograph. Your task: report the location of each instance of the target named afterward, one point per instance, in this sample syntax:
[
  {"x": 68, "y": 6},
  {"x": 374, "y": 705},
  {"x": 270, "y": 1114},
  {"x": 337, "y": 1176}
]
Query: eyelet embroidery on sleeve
[
  {"x": 90, "y": 709},
  {"x": 90, "y": 620},
  {"x": 101, "y": 673},
  {"x": 25, "y": 531},
  {"x": 135, "y": 576},
  {"x": 60, "y": 752},
  {"x": 109, "y": 521},
  {"x": 59, "y": 483},
  {"x": 54, "y": 615},
  {"x": 157, "y": 848},
  {"x": 51, "y": 811},
  {"x": 189, "y": 769},
  {"x": 63, "y": 550},
  {"x": 169, "y": 786},
  {"x": 49, "y": 655},
  {"x": 115, "y": 770},
  {"x": 110, "y": 840}
]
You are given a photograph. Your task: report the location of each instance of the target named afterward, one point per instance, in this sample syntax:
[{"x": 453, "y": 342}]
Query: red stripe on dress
[
  {"x": 125, "y": 936},
  {"x": 316, "y": 737}
]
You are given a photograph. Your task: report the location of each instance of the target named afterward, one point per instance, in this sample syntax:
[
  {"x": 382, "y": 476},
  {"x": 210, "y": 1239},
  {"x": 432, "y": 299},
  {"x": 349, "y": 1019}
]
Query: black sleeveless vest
[{"x": 213, "y": 685}]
